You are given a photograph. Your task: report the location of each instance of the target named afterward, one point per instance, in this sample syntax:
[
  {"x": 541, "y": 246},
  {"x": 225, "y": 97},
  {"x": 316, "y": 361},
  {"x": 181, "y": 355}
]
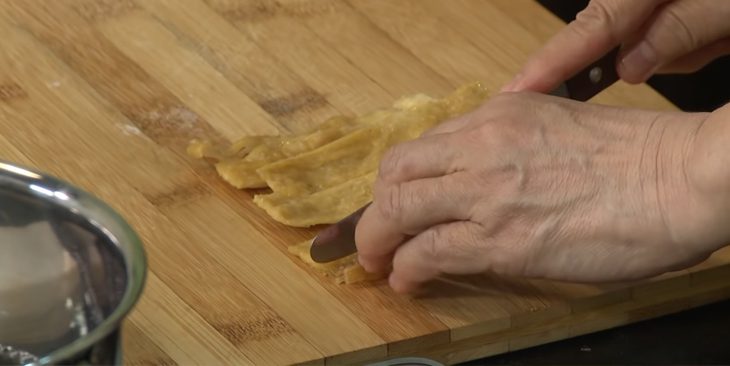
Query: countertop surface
[{"x": 692, "y": 337}]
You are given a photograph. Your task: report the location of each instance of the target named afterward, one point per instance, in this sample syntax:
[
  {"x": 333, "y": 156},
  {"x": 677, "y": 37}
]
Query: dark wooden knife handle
[{"x": 593, "y": 79}]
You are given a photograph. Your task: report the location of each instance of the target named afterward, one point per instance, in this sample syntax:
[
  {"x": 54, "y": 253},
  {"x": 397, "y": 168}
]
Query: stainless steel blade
[{"x": 338, "y": 240}]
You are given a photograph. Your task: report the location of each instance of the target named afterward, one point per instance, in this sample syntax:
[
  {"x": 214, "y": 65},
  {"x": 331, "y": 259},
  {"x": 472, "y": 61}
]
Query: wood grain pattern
[{"x": 107, "y": 94}]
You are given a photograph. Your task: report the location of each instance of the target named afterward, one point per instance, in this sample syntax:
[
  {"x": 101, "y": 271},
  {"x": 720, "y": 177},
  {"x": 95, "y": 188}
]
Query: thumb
[
  {"x": 697, "y": 59},
  {"x": 601, "y": 26},
  {"x": 677, "y": 30}
]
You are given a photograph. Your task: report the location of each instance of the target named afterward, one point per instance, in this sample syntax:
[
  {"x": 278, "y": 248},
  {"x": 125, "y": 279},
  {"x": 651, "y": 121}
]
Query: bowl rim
[{"x": 108, "y": 222}]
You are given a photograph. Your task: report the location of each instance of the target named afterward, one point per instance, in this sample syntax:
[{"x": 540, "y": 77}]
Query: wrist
[{"x": 707, "y": 170}]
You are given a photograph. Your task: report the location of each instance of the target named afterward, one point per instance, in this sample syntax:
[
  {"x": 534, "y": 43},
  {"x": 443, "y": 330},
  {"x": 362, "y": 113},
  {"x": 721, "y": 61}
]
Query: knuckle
[
  {"x": 515, "y": 105},
  {"x": 436, "y": 240},
  {"x": 390, "y": 204},
  {"x": 457, "y": 248},
  {"x": 501, "y": 134},
  {"x": 673, "y": 22},
  {"x": 481, "y": 134},
  {"x": 506, "y": 99},
  {"x": 393, "y": 163},
  {"x": 484, "y": 136},
  {"x": 389, "y": 162},
  {"x": 599, "y": 17},
  {"x": 470, "y": 240},
  {"x": 597, "y": 11}
]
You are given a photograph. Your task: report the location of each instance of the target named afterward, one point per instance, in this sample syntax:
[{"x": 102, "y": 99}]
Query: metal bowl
[{"x": 70, "y": 270}]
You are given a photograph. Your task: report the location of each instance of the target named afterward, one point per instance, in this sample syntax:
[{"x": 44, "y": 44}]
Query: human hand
[
  {"x": 538, "y": 186},
  {"x": 668, "y": 36}
]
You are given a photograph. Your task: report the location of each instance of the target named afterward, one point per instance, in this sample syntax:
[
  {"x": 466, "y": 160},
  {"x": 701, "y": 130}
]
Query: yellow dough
[
  {"x": 343, "y": 270},
  {"x": 324, "y": 206},
  {"x": 323, "y": 175}
]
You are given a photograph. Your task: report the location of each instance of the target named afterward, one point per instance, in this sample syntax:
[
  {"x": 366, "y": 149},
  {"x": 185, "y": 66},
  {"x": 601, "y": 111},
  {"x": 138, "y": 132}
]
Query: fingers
[
  {"x": 418, "y": 186},
  {"x": 698, "y": 59},
  {"x": 448, "y": 248},
  {"x": 405, "y": 209},
  {"x": 426, "y": 157},
  {"x": 678, "y": 29},
  {"x": 600, "y": 27}
]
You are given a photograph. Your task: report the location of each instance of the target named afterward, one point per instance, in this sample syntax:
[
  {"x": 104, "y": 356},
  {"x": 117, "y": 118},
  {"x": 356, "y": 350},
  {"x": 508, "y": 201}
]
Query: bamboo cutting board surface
[{"x": 107, "y": 94}]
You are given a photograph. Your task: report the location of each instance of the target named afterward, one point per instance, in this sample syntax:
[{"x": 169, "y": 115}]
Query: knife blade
[{"x": 338, "y": 240}]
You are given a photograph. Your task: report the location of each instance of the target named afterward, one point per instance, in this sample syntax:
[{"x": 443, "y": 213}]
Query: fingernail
[
  {"x": 396, "y": 284},
  {"x": 369, "y": 267},
  {"x": 639, "y": 63},
  {"x": 362, "y": 262},
  {"x": 512, "y": 85}
]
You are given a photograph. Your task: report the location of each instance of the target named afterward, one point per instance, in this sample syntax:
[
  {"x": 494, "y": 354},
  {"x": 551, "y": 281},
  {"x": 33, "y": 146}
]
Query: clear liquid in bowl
[{"x": 53, "y": 285}]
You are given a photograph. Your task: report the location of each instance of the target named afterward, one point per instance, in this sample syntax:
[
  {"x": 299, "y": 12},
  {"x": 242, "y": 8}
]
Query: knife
[
  {"x": 591, "y": 80},
  {"x": 338, "y": 240}
]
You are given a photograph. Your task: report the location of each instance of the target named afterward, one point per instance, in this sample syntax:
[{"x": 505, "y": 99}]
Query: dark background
[{"x": 698, "y": 336}]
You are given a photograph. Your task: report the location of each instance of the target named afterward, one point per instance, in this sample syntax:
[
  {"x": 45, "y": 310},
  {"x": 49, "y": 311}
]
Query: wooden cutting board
[{"x": 107, "y": 94}]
